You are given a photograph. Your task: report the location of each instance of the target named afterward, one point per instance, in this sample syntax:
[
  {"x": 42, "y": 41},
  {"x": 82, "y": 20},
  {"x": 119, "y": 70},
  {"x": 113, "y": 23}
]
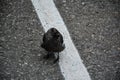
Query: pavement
[
  {"x": 21, "y": 56},
  {"x": 93, "y": 25},
  {"x": 95, "y": 29}
]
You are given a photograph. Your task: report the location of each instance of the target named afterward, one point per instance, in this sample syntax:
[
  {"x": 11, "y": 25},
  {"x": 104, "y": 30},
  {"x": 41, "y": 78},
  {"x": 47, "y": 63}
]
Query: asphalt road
[
  {"x": 21, "y": 56},
  {"x": 94, "y": 26}
]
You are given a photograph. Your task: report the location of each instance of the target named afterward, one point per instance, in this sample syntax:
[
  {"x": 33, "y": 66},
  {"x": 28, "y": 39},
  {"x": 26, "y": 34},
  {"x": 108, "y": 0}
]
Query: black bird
[{"x": 53, "y": 42}]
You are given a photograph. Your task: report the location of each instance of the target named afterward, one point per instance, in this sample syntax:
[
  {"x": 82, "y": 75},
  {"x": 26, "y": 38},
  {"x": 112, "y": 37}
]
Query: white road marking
[{"x": 70, "y": 63}]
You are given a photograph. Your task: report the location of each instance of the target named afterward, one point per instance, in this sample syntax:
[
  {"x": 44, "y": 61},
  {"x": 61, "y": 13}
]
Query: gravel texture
[
  {"x": 94, "y": 26},
  {"x": 21, "y": 57}
]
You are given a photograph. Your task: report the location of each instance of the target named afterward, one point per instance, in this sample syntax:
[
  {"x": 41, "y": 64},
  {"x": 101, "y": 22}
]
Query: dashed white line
[{"x": 70, "y": 63}]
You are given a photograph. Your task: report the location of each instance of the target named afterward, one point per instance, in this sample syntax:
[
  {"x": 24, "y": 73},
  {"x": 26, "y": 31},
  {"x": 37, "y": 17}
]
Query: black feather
[{"x": 53, "y": 41}]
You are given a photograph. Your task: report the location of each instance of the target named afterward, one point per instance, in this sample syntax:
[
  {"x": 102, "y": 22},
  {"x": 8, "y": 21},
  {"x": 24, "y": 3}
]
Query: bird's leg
[
  {"x": 47, "y": 56},
  {"x": 57, "y": 58}
]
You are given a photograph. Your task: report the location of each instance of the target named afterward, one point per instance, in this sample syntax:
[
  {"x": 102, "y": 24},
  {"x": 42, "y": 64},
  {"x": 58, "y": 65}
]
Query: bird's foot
[{"x": 56, "y": 60}]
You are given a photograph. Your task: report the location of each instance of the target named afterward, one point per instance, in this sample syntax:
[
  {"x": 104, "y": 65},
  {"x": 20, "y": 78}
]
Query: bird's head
[
  {"x": 53, "y": 30},
  {"x": 55, "y": 33}
]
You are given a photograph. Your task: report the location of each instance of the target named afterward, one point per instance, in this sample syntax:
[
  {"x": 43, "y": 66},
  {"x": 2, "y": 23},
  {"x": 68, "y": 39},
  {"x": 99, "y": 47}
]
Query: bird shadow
[{"x": 47, "y": 59}]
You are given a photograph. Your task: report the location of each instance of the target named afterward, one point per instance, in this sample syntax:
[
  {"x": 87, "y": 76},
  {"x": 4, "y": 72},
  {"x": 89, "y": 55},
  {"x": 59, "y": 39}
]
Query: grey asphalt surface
[
  {"x": 21, "y": 57},
  {"x": 94, "y": 26}
]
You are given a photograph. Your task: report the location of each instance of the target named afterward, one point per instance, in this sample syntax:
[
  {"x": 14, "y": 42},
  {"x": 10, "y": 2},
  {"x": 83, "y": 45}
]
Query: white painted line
[{"x": 70, "y": 63}]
